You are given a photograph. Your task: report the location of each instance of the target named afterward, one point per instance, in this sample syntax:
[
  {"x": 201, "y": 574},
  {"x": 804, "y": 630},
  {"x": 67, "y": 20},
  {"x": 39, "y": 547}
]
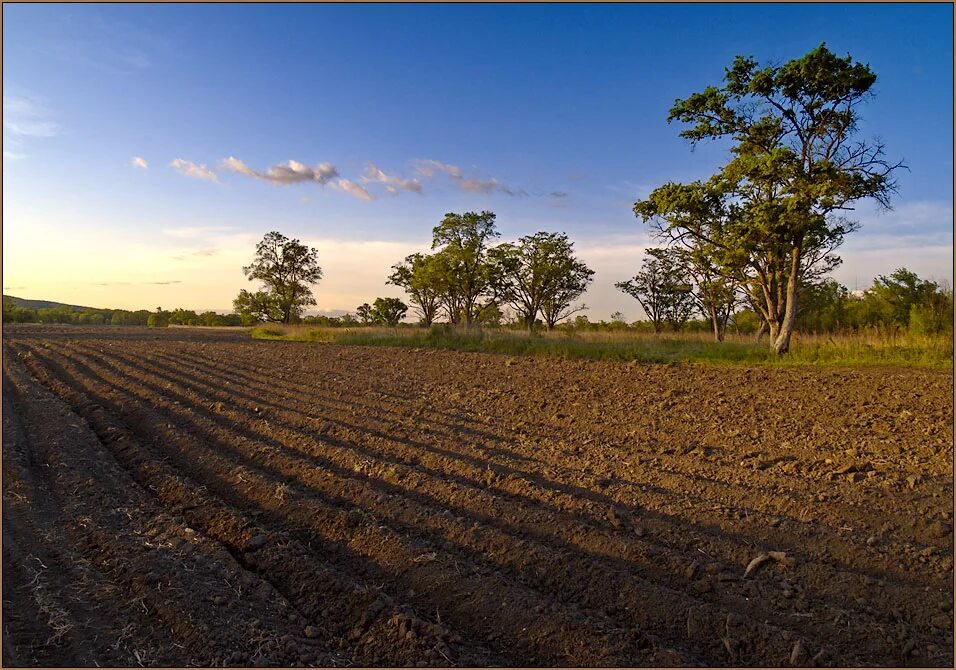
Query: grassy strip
[{"x": 844, "y": 350}]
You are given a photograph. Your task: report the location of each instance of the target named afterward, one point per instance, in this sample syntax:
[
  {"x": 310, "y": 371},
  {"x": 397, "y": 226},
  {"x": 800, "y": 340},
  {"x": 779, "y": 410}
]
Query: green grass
[{"x": 838, "y": 350}]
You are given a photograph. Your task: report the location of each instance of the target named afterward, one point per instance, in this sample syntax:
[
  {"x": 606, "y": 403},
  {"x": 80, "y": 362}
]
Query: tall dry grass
[{"x": 852, "y": 349}]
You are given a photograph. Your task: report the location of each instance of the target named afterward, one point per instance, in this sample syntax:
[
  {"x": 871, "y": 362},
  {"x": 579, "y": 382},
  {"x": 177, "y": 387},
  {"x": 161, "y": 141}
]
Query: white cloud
[
  {"x": 233, "y": 164},
  {"x": 916, "y": 235},
  {"x": 428, "y": 168},
  {"x": 862, "y": 263},
  {"x": 291, "y": 172},
  {"x": 190, "y": 169},
  {"x": 139, "y": 162},
  {"x": 352, "y": 189},
  {"x": 392, "y": 183},
  {"x": 431, "y": 168}
]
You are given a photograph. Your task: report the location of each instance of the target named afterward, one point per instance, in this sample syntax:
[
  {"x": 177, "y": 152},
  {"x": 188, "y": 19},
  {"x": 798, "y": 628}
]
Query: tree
[
  {"x": 822, "y": 306},
  {"x": 287, "y": 268},
  {"x": 901, "y": 291},
  {"x": 159, "y": 319},
  {"x": 184, "y": 317},
  {"x": 387, "y": 311},
  {"x": 122, "y": 317},
  {"x": 462, "y": 266},
  {"x": 903, "y": 300},
  {"x": 490, "y": 314},
  {"x": 420, "y": 276},
  {"x": 364, "y": 312},
  {"x": 769, "y": 215},
  {"x": 715, "y": 295},
  {"x": 15, "y": 314},
  {"x": 539, "y": 273},
  {"x": 211, "y": 319},
  {"x": 663, "y": 289},
  {"x": 256, "y": 307}
]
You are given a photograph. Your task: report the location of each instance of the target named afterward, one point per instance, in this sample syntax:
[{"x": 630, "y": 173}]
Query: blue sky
[{"x": 554, "y": 117}]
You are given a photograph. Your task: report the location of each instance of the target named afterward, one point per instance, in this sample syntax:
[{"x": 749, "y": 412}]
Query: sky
[{"x": 147, "y": 148}]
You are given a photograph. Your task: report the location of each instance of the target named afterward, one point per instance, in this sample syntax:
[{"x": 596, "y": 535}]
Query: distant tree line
[
  {"x": 13, "y": 313},
  {"x": 673, "y": 290},
  {"x": 467, "y": 279}
]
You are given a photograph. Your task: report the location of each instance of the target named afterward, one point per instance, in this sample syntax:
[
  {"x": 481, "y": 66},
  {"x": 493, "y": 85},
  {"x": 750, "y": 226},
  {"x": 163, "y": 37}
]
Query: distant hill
[{"x": 41, "y": 304}]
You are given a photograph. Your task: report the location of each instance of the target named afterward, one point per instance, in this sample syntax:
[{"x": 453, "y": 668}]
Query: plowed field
[{"x": 195, "y": 497}]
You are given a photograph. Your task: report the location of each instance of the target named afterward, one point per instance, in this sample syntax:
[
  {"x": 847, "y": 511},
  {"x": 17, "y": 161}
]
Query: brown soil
[{"x": 195, "y": 497}]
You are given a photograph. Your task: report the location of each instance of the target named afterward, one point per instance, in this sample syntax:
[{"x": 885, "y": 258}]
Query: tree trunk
[
  {"x": 715, "y": 322},
  {"x": 781, "y": 344}
]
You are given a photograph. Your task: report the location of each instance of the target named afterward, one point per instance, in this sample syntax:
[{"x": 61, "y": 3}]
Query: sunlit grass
[{"x": 869, "y": 348}]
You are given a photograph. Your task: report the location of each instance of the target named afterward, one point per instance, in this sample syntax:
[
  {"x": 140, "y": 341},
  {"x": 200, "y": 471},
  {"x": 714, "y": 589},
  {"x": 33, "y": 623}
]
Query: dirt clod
[
  {"x": 256, "y": 542},
  {"x": 939, "y": 529}
]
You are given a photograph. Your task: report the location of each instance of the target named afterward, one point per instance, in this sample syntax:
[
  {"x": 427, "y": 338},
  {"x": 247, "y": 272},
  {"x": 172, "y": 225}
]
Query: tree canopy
[
  {"x": 287, "y": 268},
  {"x": 770, "y": 217},
  {"x": 663, "y": 289},
  {"x": 419, "y": 275},
  {"x": 540, "y": 274},
  {"x": 388, "y": 311},
  {"x": 463, "y": 267}
]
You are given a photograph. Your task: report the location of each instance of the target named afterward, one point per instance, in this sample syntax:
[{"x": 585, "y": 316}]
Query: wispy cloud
[
  {"x": 431, "y": 168},
  {"x": 393, "y": 184},
  {"x": 139, "y": 162},
  {"x": 201, "y": 253},
  {"x": 428, "y": 168},
  {"x": 138, "y": 283},
  {"x": 291, "y": 172},
  {"x": 488, "y": 186},
  {"x": 190, "y": 169},
  {"x": 24, "y": 118},
  {"x": 353, "y": 189},
  {"x": 909, "y": 218},
  {"x": 193, "y": 232},
  {"x": 110, "y": 46},
  {"x": 326, "y": 174}
]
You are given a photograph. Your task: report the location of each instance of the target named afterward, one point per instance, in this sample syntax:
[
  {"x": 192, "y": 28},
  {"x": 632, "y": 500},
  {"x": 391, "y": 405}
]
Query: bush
[{"x": 268, "y": 331}]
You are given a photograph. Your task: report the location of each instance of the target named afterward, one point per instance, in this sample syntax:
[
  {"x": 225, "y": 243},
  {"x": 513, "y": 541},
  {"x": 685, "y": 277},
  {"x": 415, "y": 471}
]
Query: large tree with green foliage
[
  {"x": 663, "y": 289},
  {"x": 420, "y": 276},
  {"x": 904, "y": 300},
  {"x": 770, "y": 214},
  {"x": 465, "y": 273},
  {"x": 388, "y": 311},
  {"x": 540, "y": 273},
  {"x": 287, "y": 268},
  {"x": 256, "y": 306},
  {"x": 716, "y": 295},
  {"x": 364, "y": 313}
]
